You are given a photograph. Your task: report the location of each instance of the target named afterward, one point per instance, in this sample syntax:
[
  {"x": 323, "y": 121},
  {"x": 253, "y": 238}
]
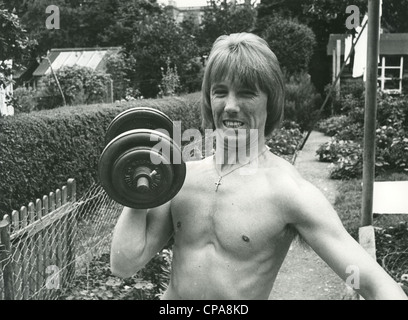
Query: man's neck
[{"x": 229, "y": 157}]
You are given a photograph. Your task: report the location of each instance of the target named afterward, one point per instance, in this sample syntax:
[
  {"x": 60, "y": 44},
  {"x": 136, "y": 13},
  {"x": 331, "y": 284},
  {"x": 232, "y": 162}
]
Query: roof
[
  {"x": 94, "y": 58},
  {"x": 390, "y": 43}
]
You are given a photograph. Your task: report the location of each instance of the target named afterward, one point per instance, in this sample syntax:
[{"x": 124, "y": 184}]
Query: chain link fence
[{"x": 45, "y": 245}]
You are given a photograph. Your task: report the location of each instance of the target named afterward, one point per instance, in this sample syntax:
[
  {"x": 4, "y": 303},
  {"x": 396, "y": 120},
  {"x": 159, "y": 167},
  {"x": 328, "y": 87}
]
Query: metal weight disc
[
  {"x": 139, "y": 118},
  {"x": 126, "y": 186},
  {"x": 149, "y": 153}
]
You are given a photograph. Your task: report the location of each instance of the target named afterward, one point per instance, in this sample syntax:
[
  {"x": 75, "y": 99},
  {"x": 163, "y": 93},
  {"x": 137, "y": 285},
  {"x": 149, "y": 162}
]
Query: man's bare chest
[{"x": 241, "y": 216}]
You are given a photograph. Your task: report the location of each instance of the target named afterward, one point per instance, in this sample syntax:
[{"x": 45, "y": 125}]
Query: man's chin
[{"x": 233, "y": 132}]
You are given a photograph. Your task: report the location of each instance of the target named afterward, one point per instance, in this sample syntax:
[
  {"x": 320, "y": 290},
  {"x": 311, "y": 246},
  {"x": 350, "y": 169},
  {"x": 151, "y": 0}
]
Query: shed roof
[
  {"x": 390, "y": 43},
  {"x": 94, "y": 58}
]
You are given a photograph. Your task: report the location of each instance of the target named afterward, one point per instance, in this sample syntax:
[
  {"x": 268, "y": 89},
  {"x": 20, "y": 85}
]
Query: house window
[{"x": 390, "y": 71}]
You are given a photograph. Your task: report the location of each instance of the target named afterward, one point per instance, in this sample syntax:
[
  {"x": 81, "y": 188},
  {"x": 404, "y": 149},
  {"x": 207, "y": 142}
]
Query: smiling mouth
[{"x": 233, "y": 124}]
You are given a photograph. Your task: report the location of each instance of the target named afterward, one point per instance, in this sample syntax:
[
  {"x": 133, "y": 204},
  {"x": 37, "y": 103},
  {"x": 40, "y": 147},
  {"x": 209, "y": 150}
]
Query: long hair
[{"x": 247, "y": 61}]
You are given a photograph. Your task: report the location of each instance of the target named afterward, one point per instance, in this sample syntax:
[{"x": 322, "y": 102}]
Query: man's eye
[
  {"x": 219, "y": 92},
  {"x": 248, "y": 93}
]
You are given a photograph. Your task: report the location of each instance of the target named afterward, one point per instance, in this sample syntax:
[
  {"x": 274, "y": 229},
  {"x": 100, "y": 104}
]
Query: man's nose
[{"x": 232, "y": 104}]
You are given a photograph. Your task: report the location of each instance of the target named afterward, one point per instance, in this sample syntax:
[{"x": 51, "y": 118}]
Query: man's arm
[
  {"x": 137, "y": 237},
  {"x": 319, "y": 225}
]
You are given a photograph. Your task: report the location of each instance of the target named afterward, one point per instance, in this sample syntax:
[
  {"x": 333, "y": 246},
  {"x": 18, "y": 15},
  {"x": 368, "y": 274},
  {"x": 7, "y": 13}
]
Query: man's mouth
[{"x": 233, "y": 124}]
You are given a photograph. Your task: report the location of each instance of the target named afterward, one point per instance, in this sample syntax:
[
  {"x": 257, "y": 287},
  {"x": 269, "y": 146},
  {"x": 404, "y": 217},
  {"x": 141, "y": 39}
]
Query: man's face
[{"x": 236, "y": 109}]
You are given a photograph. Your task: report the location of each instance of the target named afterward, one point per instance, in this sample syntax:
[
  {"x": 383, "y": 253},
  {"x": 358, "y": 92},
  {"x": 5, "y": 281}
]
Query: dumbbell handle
[
  {"x": 143, "y": 185},
  {"x": 141, "y": 175}
]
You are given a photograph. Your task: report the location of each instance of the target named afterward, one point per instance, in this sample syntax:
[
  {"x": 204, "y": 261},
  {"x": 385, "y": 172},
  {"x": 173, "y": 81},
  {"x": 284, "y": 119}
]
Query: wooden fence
[{"x": 37, "y": 251}]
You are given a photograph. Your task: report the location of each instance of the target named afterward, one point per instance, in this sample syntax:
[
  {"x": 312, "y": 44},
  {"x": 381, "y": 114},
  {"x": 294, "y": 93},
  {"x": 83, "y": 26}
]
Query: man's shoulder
[
  {"x": 304, "y": 200},
  {"x": 289, "y": 183},
  {"x": 281, "y": 169}
]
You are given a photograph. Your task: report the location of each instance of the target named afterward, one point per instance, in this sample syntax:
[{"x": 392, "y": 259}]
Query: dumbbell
[{"x": 141, "y": 165}]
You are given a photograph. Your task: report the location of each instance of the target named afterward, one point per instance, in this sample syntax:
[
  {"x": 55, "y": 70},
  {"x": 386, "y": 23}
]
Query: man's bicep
[
  {"x": 320, "y": 226},
  {"x": 312, "y": 214},
  {"x": 317, "y": 222}
]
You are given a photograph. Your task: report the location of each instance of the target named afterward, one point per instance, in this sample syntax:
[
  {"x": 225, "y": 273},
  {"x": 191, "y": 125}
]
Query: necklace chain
[{"x": 220, "y": 176}]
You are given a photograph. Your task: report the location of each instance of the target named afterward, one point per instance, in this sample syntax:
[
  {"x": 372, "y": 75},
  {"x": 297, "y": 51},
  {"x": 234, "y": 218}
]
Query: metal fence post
[{"x": 71, "y": 229}]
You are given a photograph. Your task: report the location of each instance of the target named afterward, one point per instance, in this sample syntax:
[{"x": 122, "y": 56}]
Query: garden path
[{"x": 304, "y": 275}]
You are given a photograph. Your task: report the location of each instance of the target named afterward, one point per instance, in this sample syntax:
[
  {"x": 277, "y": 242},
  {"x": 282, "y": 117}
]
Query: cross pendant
[{"x": 217, "y": 184}]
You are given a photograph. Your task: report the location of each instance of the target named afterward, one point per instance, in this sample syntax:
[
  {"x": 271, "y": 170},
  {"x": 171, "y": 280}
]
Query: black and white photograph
[{"x": 222, "y": 151}]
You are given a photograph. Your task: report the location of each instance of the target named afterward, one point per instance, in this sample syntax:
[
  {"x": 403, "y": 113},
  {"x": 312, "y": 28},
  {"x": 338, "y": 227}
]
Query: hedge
[{"x": 39, "y": 151}]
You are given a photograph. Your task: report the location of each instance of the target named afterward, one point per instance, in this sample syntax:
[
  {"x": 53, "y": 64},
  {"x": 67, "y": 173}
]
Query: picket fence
[{"x": 37, "y": 254}]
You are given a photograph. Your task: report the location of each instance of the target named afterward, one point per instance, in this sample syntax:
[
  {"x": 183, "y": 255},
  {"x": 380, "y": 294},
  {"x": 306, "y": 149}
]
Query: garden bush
[
  {"x": 302, "y": 102},
  {"x": 351, "y": 92},
  {"x": 333, "y": 150},
  {"x": 80, "y": 85},
  {"x": 285, "y": 141},
  {"x": 24, "y": 100},
  {"x": 391, "y": 137},
  {"x": 332, "y": 125},
  {"x": 291, "y": 41},
  {"x": 98, "y": 283}
]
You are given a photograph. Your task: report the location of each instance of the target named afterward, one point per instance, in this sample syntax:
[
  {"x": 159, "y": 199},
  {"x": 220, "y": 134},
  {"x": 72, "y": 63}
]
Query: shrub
[
  {"x": 80, "y": 85},
  {"x": 292, "y": 42},
  {"x": 98, "y": 282},
  {"x": 333, "y": 150},
  {"x": 347, "y": 167},
  {"x": 353, "y": 131},
  {"x": 24, "y": 100},
  {"x": 284, "y": 141},
  {"x": 301, "y": 101},
  {"x": 351, "y": 92},
  {"x": 118, "y": 67},
  {"x": 391, "y": 136},
  {"x": 332, "y": 125}
]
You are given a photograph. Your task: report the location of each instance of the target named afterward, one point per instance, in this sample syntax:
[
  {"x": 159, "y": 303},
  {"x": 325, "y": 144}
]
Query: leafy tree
[
  {"x": 151, "y": 37},
  {"x": 223, "y": 17},
  {"x": 82, "y": 23},
  {"x": 323, "y": 17},
  {"x": 70, "y": 34},
  {"x": 13, "y": 42},
  {"x": 394, "y": 16}
]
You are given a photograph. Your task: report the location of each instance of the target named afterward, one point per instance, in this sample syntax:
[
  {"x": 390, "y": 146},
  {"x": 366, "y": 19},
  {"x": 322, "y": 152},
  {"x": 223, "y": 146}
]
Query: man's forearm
[
  {"x": 381, "y": 286},
  {"x": 128, "y": 243}
]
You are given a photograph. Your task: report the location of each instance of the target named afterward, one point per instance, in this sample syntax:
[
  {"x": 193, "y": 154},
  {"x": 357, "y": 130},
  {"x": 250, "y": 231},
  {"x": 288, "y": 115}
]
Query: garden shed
[
  {"x": 94, "y": 58},
  {"x": 392, "y": 64}
]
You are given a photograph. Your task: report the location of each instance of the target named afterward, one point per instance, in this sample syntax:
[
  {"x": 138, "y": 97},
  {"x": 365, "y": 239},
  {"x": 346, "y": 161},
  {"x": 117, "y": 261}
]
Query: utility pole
[{"x": 373, "y": 36}]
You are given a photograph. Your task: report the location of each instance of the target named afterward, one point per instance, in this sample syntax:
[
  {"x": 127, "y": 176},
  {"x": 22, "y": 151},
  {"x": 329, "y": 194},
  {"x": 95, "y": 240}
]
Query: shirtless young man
[{"x": 231, "y": 234}]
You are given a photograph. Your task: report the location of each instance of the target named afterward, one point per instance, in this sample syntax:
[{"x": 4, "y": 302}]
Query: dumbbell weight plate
[
  {"x": 128, "y": 157},
  {"x": 138, "y": 118}
]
